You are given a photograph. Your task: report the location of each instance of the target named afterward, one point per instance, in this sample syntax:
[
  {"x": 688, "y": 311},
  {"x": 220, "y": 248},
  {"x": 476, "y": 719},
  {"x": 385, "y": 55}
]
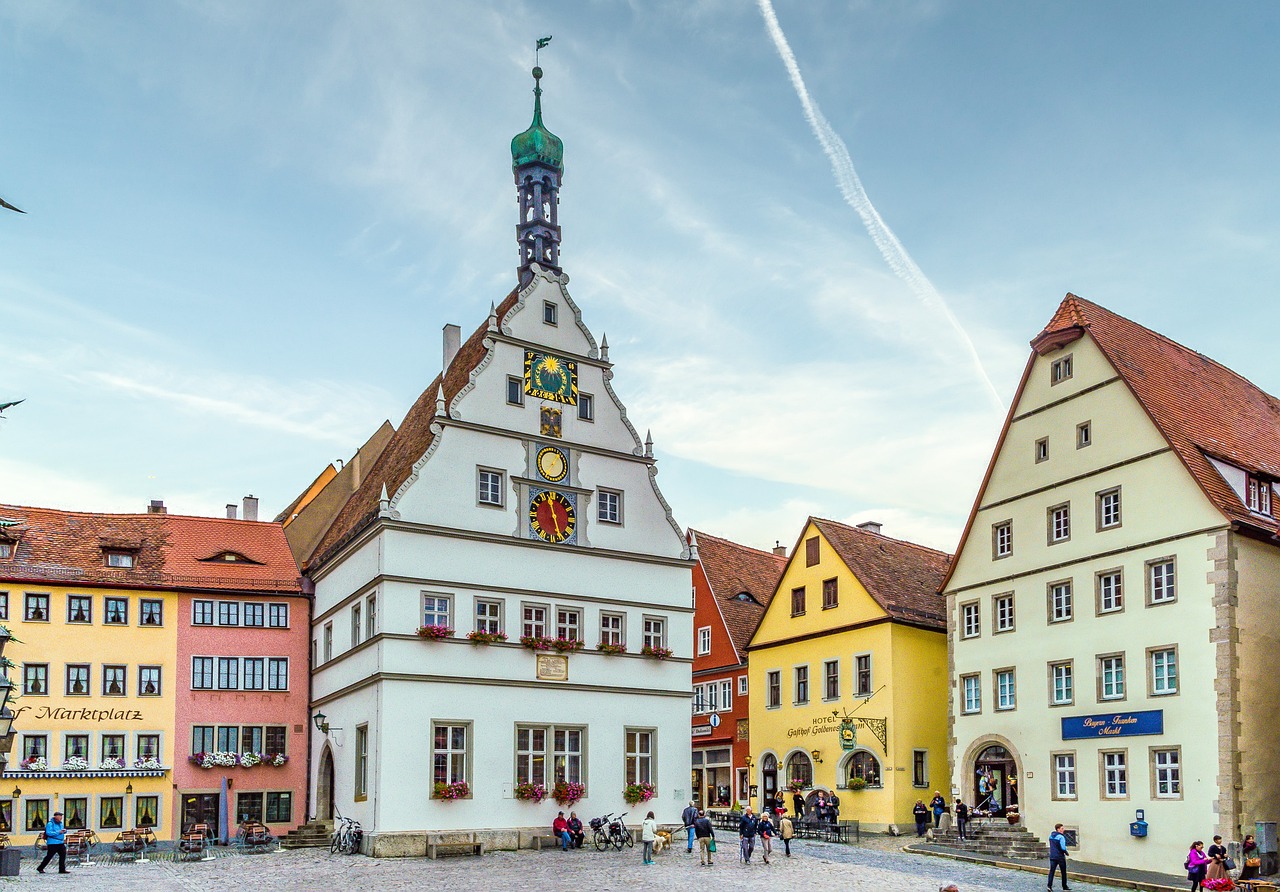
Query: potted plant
[
  {"x": 606, "y": 648},
  {"x": 568, "y": 792},
  {"x": 634, "y": 794},
  {"x": 795, "y": 785},
  {"x": 658, "y": 653},
  {"x": 566, "y": 645},
  {"x": 529, "y": 792},
  {"x": 35, "y": 763},
  {"x": 276, "y": 760},
  {"x": 1012, "y": 816},
  {"x": 536, "y": 642},
  {"x": 486, "y": 637},
  {"x": 435, "y": 632},
  {"x": 75, "y": 763},
  {"x": 450, "y": 792}
]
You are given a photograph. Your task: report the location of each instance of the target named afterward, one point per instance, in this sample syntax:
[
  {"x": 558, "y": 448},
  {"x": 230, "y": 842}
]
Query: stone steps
[
  {"x": 999, "y": 840},
  {"x": 314, "y": 835}
]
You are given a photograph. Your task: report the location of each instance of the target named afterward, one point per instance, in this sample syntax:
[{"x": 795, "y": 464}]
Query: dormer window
[
  {"x": 122, "y": 560},
  {"x": 229, "y": 557},
  {"x": 6, "y": 550},
  {"x": 1258, "y": 494}
]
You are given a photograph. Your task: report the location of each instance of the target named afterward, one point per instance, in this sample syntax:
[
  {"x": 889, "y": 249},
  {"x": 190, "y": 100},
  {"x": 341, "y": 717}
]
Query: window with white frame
[
  {"x": 1042, "y": 449},
  {"x": 699, "y": 699},
  {"x": 655, "y": 632},
  {"x": 1110, "y": 591},
  {"x": 1062, "y": 690},
  {"x": 568, "y": 624},
  {"x": 201, "y": 613},
  {"x": 1115, "y": 774},
  {"x": 1258, "y": 494},
  {"x": 1161, "y": 582},
  {"x": 435, "y": 609},
  {"x": 533, "y": 621},
  {"x": 1164, "y": 671},
  {"x": 1108, "y": 509},
  {"x": 862, "y": 675},
  {"x": 371, "y": 615},
  {"x": 1059, "y": 523},
  {"x": 612, "y": 630},
  {"x": 531, "y": 755},
  {"x": 1167, "y": 773},
  {"x": 1002, "y": 539},
  {"x": 357, "y": 623},
  {"x": 1006, "y": 690},
  {"x": 550, "y": 313},
  {"x": 1111, "y": 677},
  {"x": 228, "y": 613},
  {"x": 277, "y": 673},
  {"x": 1002, "y": 607},
  {"x": 1061, "y": 607},
  {"x": 1064, "y": 775},
  {"x": 362, "y": 762},
  {"x": 253, "y": 614},
  {"x": 639, "y": 756},
  {"x": 609, "y": 506},
  {"x": 802, "y": 684},
  {"x": 515, "y": 390},
  {"x": 726, "y": 695},
  {"x": 970, "y": 620},
  {"x": 328, "y": 642},
  {"x": 489, "y": 617},
  {"x": 773, "y": 689},
  {"x": 1084, "y": 434},
  {"x": 831, "y": 680},
  {"x": 742, "y": 686},
  {"x": 972, "y": 685},
  {"x": 489, "y": 487},
  {"x": 704, "y": 640},
  {"x": 277, "y": 616},
  {"x": 450, "y": 752}
]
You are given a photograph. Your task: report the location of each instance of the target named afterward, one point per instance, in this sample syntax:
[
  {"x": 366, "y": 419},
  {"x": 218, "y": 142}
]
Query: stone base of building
[{"x": 413, "y": 843}]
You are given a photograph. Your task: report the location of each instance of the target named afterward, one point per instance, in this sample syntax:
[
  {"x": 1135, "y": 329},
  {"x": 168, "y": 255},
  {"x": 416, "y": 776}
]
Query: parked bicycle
[
  {"x": 608, "y": 830},
  {"x": 347, "y": 837}
]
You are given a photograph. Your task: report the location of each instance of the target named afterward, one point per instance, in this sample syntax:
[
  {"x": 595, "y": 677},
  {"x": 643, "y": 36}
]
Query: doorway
[
  {"x": 995, "y": 780},
  {"x": 324, "y": 787},
  {"x": 769, "y": 781},
  {"x": 200, "y": 808}
]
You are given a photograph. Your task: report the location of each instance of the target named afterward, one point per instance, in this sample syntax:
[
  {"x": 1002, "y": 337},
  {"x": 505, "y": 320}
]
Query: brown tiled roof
[
  {"x": 731, "y": 568},
  {"x": 67, "y": 547},
  {"x": 902, "y": 577},
  {"x": 409, "y": 443},
  {"x": 1199, "y": 405}
]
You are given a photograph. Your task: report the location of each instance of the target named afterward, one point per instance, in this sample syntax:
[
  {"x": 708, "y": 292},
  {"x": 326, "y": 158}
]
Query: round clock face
[
  {"x": 552, "y": 464},
  {"x": 551, "y": 517}
]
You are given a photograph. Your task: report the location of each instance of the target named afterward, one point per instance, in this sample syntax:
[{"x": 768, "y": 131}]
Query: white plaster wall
[
  {"x": 343, "y": 716},
  {"x": 1258, "y": 566}
]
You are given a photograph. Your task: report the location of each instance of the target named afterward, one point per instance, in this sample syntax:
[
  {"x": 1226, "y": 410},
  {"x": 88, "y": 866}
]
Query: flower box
[
  {"x": 35, "y": 763},
  {"x": 486, "y": 637},
  {"x": 796, "y": 786},
  {"x": 568, "y": 792},
  {"x": 450, "y": 792},
  {"x": 658, "y": 653},
  {"x": 611, "y": 648},
  {"x": 534, "y": 793},
  {"x": 634, "y": 794},
  {"x": 75, "y": 763},
  {"x": 536, "y": 642},
  {"x": 435, "y": 633}
]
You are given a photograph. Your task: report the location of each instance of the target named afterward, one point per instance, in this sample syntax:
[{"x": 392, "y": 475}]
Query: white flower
[
  {"x": 110, "y": 764},
  {"x": 75, "y": 763},
  {"x": 248, "y": 760}
]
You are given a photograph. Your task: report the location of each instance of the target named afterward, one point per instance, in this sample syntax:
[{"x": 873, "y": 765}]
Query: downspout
[{"x": 309, "y": 589}]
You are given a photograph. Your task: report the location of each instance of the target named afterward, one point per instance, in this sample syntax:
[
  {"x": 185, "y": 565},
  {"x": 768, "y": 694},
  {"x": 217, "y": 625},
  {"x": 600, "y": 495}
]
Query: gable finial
[
  {"x": 493, "y": 316},
  {"x": 604, "y": 346},
  {"x": 440, "y": 410},
  {"x": 384, "y": 503},
  {"x": 648, "y": 444}
]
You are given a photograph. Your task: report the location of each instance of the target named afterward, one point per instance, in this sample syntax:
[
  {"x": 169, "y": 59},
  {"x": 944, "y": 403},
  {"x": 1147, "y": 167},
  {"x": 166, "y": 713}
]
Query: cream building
[{"x": 1112, "y": 605}]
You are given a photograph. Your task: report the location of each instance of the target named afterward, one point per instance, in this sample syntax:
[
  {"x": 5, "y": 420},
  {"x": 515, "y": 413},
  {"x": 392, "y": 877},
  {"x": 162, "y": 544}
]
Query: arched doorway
[
  {"x": 324, "y": 787},
  {"x": 768, "y": 779},
  {"x": 995, "y": 779}
]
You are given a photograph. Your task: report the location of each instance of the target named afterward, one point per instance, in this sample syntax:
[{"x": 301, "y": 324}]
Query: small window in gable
[
  {"x": 1060, "y": 370},
  {"x": 1258, "y": 494},
  {"x": 550, "y": 313},
  {"x": 811, "y": 551},
  {"x": 119, "y": 559},
  {"x": 515, "y": 391},
  {"x": 1084, "y": 434},
  {"x": 1042, "y": 449}
]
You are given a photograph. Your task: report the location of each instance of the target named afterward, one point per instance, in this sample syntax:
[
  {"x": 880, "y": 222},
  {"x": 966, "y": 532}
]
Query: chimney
[
  {"x": 779, "y": 549},
  {"x": 250, "y": 508},
  {"x": 231, "y": 510},
  {"x": 157, "y": 507},
  {"x": 871, "y": 526},
  {"x": 452, "y": 341}
]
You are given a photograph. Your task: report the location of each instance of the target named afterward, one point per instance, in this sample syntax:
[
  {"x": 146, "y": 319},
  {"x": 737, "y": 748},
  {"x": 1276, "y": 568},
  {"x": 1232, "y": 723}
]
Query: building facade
[
  {"x": 1114, "y": 595},
  {"x": 96, "y": 603},
  {"x": 504, "y": 602},
  {"x": 732, "y": 586},
  {"x": 848, "y": 674}
]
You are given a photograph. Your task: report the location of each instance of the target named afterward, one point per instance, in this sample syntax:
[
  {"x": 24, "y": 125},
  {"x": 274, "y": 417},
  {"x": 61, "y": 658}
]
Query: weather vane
[{"x": 542, "y": 42}]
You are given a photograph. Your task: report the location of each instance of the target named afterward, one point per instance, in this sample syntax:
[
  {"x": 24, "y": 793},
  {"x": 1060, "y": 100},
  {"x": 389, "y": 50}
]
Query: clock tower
[{"x": 537, "y": 160}]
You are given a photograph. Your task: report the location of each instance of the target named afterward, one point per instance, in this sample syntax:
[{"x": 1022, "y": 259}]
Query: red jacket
[{"x": 560, "y": 825}]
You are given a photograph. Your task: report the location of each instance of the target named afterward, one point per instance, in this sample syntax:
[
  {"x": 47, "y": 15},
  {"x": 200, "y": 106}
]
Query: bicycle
[
  {"x": 347, "y": 837},
  {"x": 600, "y": 832},
  {"x": 619, "y": 835}
]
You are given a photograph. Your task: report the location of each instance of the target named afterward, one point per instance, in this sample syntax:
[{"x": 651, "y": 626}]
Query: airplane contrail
[{"x": 855, "y": 196}]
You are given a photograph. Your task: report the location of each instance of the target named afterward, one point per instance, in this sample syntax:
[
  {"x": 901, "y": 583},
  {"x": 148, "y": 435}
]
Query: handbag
[
  {"x": 711, "y": 845},
  {"x": 1231, "y": 864},
  {"x": 1252, "y": 862}
]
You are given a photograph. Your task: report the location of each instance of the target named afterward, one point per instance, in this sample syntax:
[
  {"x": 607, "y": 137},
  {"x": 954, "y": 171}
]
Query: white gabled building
[{"x": 515, "y": 498}]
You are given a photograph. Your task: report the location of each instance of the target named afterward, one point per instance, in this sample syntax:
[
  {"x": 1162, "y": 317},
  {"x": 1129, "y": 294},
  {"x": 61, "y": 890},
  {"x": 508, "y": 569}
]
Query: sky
[{"x": 819, "y": 235}]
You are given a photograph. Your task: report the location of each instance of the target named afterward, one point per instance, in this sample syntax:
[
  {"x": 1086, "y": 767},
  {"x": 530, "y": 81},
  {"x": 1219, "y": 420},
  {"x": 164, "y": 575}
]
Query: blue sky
[{"x": 248, "y": 222}]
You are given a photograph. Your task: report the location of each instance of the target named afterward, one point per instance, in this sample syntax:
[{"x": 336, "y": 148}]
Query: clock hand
[{"x": 555, "y": 519}]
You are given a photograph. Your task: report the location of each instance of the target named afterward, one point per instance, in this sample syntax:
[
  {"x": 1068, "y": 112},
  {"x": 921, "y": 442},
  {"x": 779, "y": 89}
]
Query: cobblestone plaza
[{"x": 875, "y": 865}]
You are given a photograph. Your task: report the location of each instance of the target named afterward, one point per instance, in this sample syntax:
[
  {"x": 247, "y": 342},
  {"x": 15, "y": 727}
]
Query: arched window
[
  {"x": 769, "y": 763},
  {"x": 864, "y": 765},
  {"x": 799, "y": 768}
]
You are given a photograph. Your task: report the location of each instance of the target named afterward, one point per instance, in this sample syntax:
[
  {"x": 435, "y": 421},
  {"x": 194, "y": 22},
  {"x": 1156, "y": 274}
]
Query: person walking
[
  {"x": 1197, "y": 864},
  {"x": 1217, "y": 869},
  {"x": 648, "y": 833},
  {"x": 55, "y": 837},
  {"x": 706, "y": 836},
  {"x": 797, "y": 802},
  {"x": 747, "y": 834},
  {"x": 766, "y": 830},
  {"x": 1058, "y": 856},
  {"x": 921, "y": 812},
  {"x": 560, "y": 827},
  {"x": 688, "y": 816},
  {"x": 786, "y": 831},
  {"x": 962, "y": 817},
  {"x": 937, "y": 805}
]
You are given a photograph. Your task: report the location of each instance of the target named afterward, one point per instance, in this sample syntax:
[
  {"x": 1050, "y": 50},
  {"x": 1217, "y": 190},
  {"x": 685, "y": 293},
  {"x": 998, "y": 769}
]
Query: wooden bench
[{"x": 465, "y": 843}]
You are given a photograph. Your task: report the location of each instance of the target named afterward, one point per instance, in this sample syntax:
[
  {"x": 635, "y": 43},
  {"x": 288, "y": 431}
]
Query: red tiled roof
[
  {"x": 902, "y": 577},
  {"x": 731, "y": 568},
  {"x": 408, "y": 444},
  {"x": 67, "y": 547},
  {"x": 1199, "y": 405}
]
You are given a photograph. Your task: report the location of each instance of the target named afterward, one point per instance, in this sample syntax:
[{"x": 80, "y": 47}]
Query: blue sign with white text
[{"x": 1113, "y": 724}]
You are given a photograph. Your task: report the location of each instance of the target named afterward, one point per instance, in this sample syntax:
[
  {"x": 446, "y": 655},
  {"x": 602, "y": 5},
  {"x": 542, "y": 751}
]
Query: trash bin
[{"x": 10, "y": 861}]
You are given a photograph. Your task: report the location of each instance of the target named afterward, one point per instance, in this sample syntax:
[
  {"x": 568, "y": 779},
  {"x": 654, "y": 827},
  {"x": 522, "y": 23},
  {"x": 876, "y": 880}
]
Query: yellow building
[
  {"x": 854, "y": 635},
  {"x": 94, "y": 672}
]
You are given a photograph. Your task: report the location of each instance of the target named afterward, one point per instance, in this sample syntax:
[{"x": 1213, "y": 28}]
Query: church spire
[{"x": 537, "y": 160}]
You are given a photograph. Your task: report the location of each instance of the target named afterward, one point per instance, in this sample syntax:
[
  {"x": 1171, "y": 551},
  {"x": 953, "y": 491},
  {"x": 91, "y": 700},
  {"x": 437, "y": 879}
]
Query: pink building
[{"x": 242, "y": 675}]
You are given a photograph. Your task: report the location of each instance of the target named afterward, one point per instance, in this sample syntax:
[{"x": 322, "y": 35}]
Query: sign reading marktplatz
[{"x": 1118, "y": 724}]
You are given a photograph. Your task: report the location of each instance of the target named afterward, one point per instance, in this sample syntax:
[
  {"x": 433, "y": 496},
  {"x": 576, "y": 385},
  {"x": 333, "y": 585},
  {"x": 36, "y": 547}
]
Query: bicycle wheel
[
  {"x": 600, "y": 839},
  {"x": 615, "y": 837},
  {"x": 628, "y": 838},
  {"x": 357, "y": 837},
  {"x": 335, "y": 844}
]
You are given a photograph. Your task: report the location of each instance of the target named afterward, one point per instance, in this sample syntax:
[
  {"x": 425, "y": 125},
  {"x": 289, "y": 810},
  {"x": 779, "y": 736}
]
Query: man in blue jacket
[
  {"x": 747, "y": 832},
  {"x": 55, "y": 837},
  {"x": 1058, "y": 856}
]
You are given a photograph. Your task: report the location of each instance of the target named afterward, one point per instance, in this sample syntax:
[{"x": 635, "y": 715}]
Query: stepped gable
[
  {"x": 68, "y": 546},
  {"x": 409, "y": 443},
  {"x": 902, "y": 577},
  {"x": 1202, "y": 407},
  {"x": 731, "y": 568},
  {"x": 197, "y": 545}
]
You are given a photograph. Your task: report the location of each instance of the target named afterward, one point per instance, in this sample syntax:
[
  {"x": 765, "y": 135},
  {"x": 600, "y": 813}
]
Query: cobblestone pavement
[{"x": 877, "y": 865}]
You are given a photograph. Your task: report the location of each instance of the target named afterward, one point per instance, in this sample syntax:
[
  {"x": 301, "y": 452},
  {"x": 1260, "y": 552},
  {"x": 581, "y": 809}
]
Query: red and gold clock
[{"x": 551, "y": 516}]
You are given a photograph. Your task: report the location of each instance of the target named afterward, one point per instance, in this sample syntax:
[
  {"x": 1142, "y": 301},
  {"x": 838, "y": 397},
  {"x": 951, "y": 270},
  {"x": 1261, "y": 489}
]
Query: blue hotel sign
[{"x": 1113, "y": 724}]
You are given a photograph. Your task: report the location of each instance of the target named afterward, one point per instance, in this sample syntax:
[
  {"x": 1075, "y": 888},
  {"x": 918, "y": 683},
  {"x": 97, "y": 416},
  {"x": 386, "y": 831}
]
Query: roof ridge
[
  {"x": 859, "y": 529},
  {"x": 763, "y": 551}
]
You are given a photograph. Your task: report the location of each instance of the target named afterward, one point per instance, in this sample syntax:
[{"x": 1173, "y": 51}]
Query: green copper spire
[{"x": 537, "y": 144}]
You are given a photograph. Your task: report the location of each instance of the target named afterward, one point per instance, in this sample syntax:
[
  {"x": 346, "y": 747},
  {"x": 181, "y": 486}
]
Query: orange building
[{"x": 732, "y": 586}]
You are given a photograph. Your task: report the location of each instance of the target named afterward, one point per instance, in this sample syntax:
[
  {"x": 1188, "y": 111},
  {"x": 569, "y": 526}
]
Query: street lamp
[
  {"x": 817, "y": 755},
  {"x": 321, "y": 725}
]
